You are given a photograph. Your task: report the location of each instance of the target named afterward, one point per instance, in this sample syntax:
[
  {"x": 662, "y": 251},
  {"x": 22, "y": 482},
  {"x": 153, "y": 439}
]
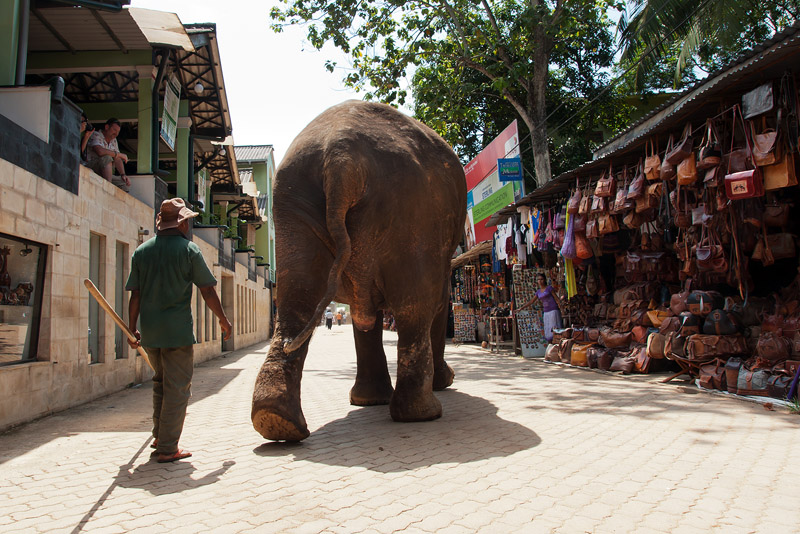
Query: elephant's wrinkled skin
[{"x": 369, "y": 207}]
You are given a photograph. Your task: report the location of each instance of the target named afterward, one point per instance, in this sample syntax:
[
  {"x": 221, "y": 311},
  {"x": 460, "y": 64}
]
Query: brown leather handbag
[
  {"x": 656, "y": 343},
  {"x": 591, "y": 229},
  {"x": 766, "y": 145},
  {"x": 652, "y": 162},
  {"x": 710, "y": 254},
  {"x": 636, "y": 187},
  {"x": 624, "y": 363},
  {"x": 678, "y": 301},
  {"x": 781, "y": 173},
  {"x": 583, "y": 249},
  {"x": 578, "y": 356},
  {"x": 598, "y": 205},
  {"x": 776, "y": 214},
  {"x": 614, "y": 340},
  {"x": 642, "y": 360},
  {"x": 710, "y": 152},
  {"x": 778, "y": 246},
  {"x": 552, "y": 353},
  {"x": 721, "y": 323},
  {"x": 574, "y": 200},
  {"x": 702, "y": 347},
  {"x": 683, "y": 147},
  {"x": 607, "y": 224},
  {"x": 606, "y": 185},
  {"x": 747, "y": 183},
  {"x": 565, "y": 350},
  {"x": 669, "y": 325}
]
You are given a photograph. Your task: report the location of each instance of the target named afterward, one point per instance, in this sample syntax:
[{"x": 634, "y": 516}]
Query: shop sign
[
  {"x": 169, "y": 120},
  {"x": 496, "y": 201},
  {"x": 510, "y": 169}
]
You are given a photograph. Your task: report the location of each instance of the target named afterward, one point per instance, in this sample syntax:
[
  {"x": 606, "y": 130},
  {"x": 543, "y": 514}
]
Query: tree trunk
[{"x": 537, "y": 105}]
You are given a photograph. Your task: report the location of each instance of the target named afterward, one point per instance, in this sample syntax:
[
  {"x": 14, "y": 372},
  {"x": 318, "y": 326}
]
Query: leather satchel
[
  {"x": 713, "y": 376},
  {"x": 607, "y": 224},
  {"x": 585, "y": 205},
  {"x": 721, "y": 323},
  {"x": 683, "y": 147},
  {"x": 746, "y": 183},
  {"x": 781, "y": 246},
  {"x": 614, "y": 340},
  {"x": 652, "y": 163},
  {"x": 598, "y": 204},
  {"x": 773, "y": 347},
  {"x": 701, "y": 347},
  {"x": 732, "y": 367},
  {"x": 591, "y": 229},
  {"x": 752, "y": 382}
]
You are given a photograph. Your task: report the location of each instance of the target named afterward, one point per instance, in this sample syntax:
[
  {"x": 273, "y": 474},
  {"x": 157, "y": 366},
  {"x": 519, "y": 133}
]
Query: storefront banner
[
  {"x": 510, "y": 169},
  {"x": 202, "y": 186},
  {"x": 495, "y": 202},
  {"x": 505, "y": 145},
  {"x": 169, "y": 120}
]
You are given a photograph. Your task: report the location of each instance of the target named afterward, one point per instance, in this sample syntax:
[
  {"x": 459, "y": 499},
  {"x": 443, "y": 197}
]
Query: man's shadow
[
  {"x": 158, "y": 479},
  {"x": 469, "y": 431}
]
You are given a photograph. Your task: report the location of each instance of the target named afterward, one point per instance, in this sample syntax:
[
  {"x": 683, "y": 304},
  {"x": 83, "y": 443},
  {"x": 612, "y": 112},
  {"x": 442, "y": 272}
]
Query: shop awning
[{"x": 484, "y": 247}]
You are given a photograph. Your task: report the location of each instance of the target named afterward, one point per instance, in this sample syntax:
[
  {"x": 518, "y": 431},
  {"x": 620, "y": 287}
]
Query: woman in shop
[{"x": 550, "y": 306}]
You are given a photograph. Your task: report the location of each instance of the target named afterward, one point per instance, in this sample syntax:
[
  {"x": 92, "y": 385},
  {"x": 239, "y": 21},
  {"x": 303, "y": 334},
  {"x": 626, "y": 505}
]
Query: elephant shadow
[{"x": 469, "y": 431}]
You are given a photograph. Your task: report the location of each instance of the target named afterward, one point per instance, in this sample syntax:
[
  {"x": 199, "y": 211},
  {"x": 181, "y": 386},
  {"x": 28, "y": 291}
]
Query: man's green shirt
[{"x": 163, "y": 269}]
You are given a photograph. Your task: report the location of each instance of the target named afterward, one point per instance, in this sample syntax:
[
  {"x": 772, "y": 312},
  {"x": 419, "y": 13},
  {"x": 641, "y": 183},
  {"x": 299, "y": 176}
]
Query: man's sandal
[{"x": 177, "y": 455}]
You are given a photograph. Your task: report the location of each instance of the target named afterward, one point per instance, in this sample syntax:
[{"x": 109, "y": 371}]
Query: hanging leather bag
[
  {"x": 668, "y": 170},
  {"x": 687, "y": 171},
  {"x": 781, "y": 173},
  {"x": 575, "y": 200},
  {"x": 636, "y": 188},
  {"x": 766, "y": 145},
  {"x": 591, "y": 229},
  {"x": 710, "y": 253},
  {"x": 621, "y": 202},
  {"x": 776, "y": 214},
  {"x": 710, "y": 153},
  {"x": 607, "y": 224},
  {"x": 598, "y": 205},
  {"x": 606, "y": 185},
  {"x": 683, "y": 147},
  {"x": 748, "y": 183},
  {"x": 774, "y": 247},
  {"x": 652, "y": 162},
  {"x": 583, "y": 249},
  {"x": 678, "y": 301}
]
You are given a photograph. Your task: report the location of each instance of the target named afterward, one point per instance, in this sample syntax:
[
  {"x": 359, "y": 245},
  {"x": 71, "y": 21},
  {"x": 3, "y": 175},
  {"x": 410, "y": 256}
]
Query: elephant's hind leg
[
  {"x": 413, "y": 398},
  {"x": 373, "y": 383},
  {"x": 443, "y": 374}
]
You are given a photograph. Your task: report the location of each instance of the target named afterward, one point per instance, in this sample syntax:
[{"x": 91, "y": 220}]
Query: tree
[
  {"x": 491, "y": 54},
  {"x": 703, "y": 34}
]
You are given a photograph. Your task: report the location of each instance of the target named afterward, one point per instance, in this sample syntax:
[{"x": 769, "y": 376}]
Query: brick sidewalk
[{"x": 522, "y": 447}]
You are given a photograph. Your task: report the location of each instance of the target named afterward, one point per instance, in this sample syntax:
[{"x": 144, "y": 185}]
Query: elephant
[{"x": 369, "y": 207}]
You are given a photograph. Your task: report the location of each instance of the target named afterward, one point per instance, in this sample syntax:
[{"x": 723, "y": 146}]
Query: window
[
  {"x": 96, "y": 275},
  {"x": 21, "y": 280},
  {"x": 121, "y": 299}
]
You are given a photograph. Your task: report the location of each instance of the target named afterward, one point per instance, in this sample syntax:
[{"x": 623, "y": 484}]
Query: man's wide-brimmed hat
[{"x": 173, "y": 212}]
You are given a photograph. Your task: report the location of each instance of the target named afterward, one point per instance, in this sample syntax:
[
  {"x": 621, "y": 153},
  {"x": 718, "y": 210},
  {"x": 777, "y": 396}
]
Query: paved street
[{"x": 523, "y": 447}]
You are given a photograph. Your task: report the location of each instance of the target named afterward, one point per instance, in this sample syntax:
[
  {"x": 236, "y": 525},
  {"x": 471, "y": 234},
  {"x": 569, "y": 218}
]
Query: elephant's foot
[
  {"x": 443, "y": 377},
  {"x": 276, "y": 411},
  {"x": 418, "y": 407},
  {"x": 277, "y": 427},
  {"x": 371, "y": 393}
]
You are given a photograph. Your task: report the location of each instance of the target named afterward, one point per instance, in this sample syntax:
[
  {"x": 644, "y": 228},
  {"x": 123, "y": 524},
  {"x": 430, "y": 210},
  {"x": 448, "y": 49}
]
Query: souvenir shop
[{"x": 675, "y": 249}]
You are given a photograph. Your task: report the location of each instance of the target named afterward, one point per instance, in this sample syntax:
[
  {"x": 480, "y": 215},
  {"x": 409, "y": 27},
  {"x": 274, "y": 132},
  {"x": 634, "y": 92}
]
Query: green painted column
[
  {"x": 9, "y": 37},
  {"x": 144, "y": 164},
  {"x": 261, "y": 178},
  {"x": 183, "y": 175}
]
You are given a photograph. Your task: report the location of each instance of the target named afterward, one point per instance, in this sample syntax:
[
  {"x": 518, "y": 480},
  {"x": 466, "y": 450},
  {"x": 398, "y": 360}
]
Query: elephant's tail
[{"x": 341, "y": 188}]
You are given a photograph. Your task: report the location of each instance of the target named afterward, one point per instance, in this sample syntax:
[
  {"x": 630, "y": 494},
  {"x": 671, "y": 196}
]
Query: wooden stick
[{"x": 93, "y": 291}]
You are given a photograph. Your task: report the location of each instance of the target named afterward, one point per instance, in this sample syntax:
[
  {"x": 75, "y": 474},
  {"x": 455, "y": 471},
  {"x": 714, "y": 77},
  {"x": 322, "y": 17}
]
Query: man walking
[{"x": 163, "y": 270}]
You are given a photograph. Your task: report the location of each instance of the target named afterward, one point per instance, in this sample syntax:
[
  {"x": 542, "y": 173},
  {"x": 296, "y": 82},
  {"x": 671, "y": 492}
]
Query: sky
[{"x": 276, "y": 82}]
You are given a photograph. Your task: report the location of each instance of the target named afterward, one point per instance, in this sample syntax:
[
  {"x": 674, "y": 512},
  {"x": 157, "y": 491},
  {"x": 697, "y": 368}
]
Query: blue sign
[{"x": 510, "y": 169}]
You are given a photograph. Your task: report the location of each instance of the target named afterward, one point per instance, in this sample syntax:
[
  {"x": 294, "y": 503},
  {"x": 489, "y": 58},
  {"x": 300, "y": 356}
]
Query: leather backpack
[{"x": 721, "y": 323}]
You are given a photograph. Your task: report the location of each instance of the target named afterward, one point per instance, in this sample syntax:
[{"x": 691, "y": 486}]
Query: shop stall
[{"x": 676, "y": 248}]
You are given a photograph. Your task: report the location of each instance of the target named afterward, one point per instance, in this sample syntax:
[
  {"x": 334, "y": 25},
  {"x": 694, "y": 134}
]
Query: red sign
[{"x": 485, "y": 163}]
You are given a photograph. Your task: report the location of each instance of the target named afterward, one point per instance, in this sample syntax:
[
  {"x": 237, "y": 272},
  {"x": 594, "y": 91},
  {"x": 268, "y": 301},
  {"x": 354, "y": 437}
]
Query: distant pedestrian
[
  {"x": 328, "y": 318},
  {"x": 163, "y": 270},
  {"x": 550, "y": 306},
  {"x": 339, "y": 319}
]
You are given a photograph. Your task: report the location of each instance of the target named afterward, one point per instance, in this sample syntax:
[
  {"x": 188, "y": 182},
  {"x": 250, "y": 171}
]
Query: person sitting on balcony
[
  {"x": 86, "y": 132},
  {"x": 104, "y": 155}
]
